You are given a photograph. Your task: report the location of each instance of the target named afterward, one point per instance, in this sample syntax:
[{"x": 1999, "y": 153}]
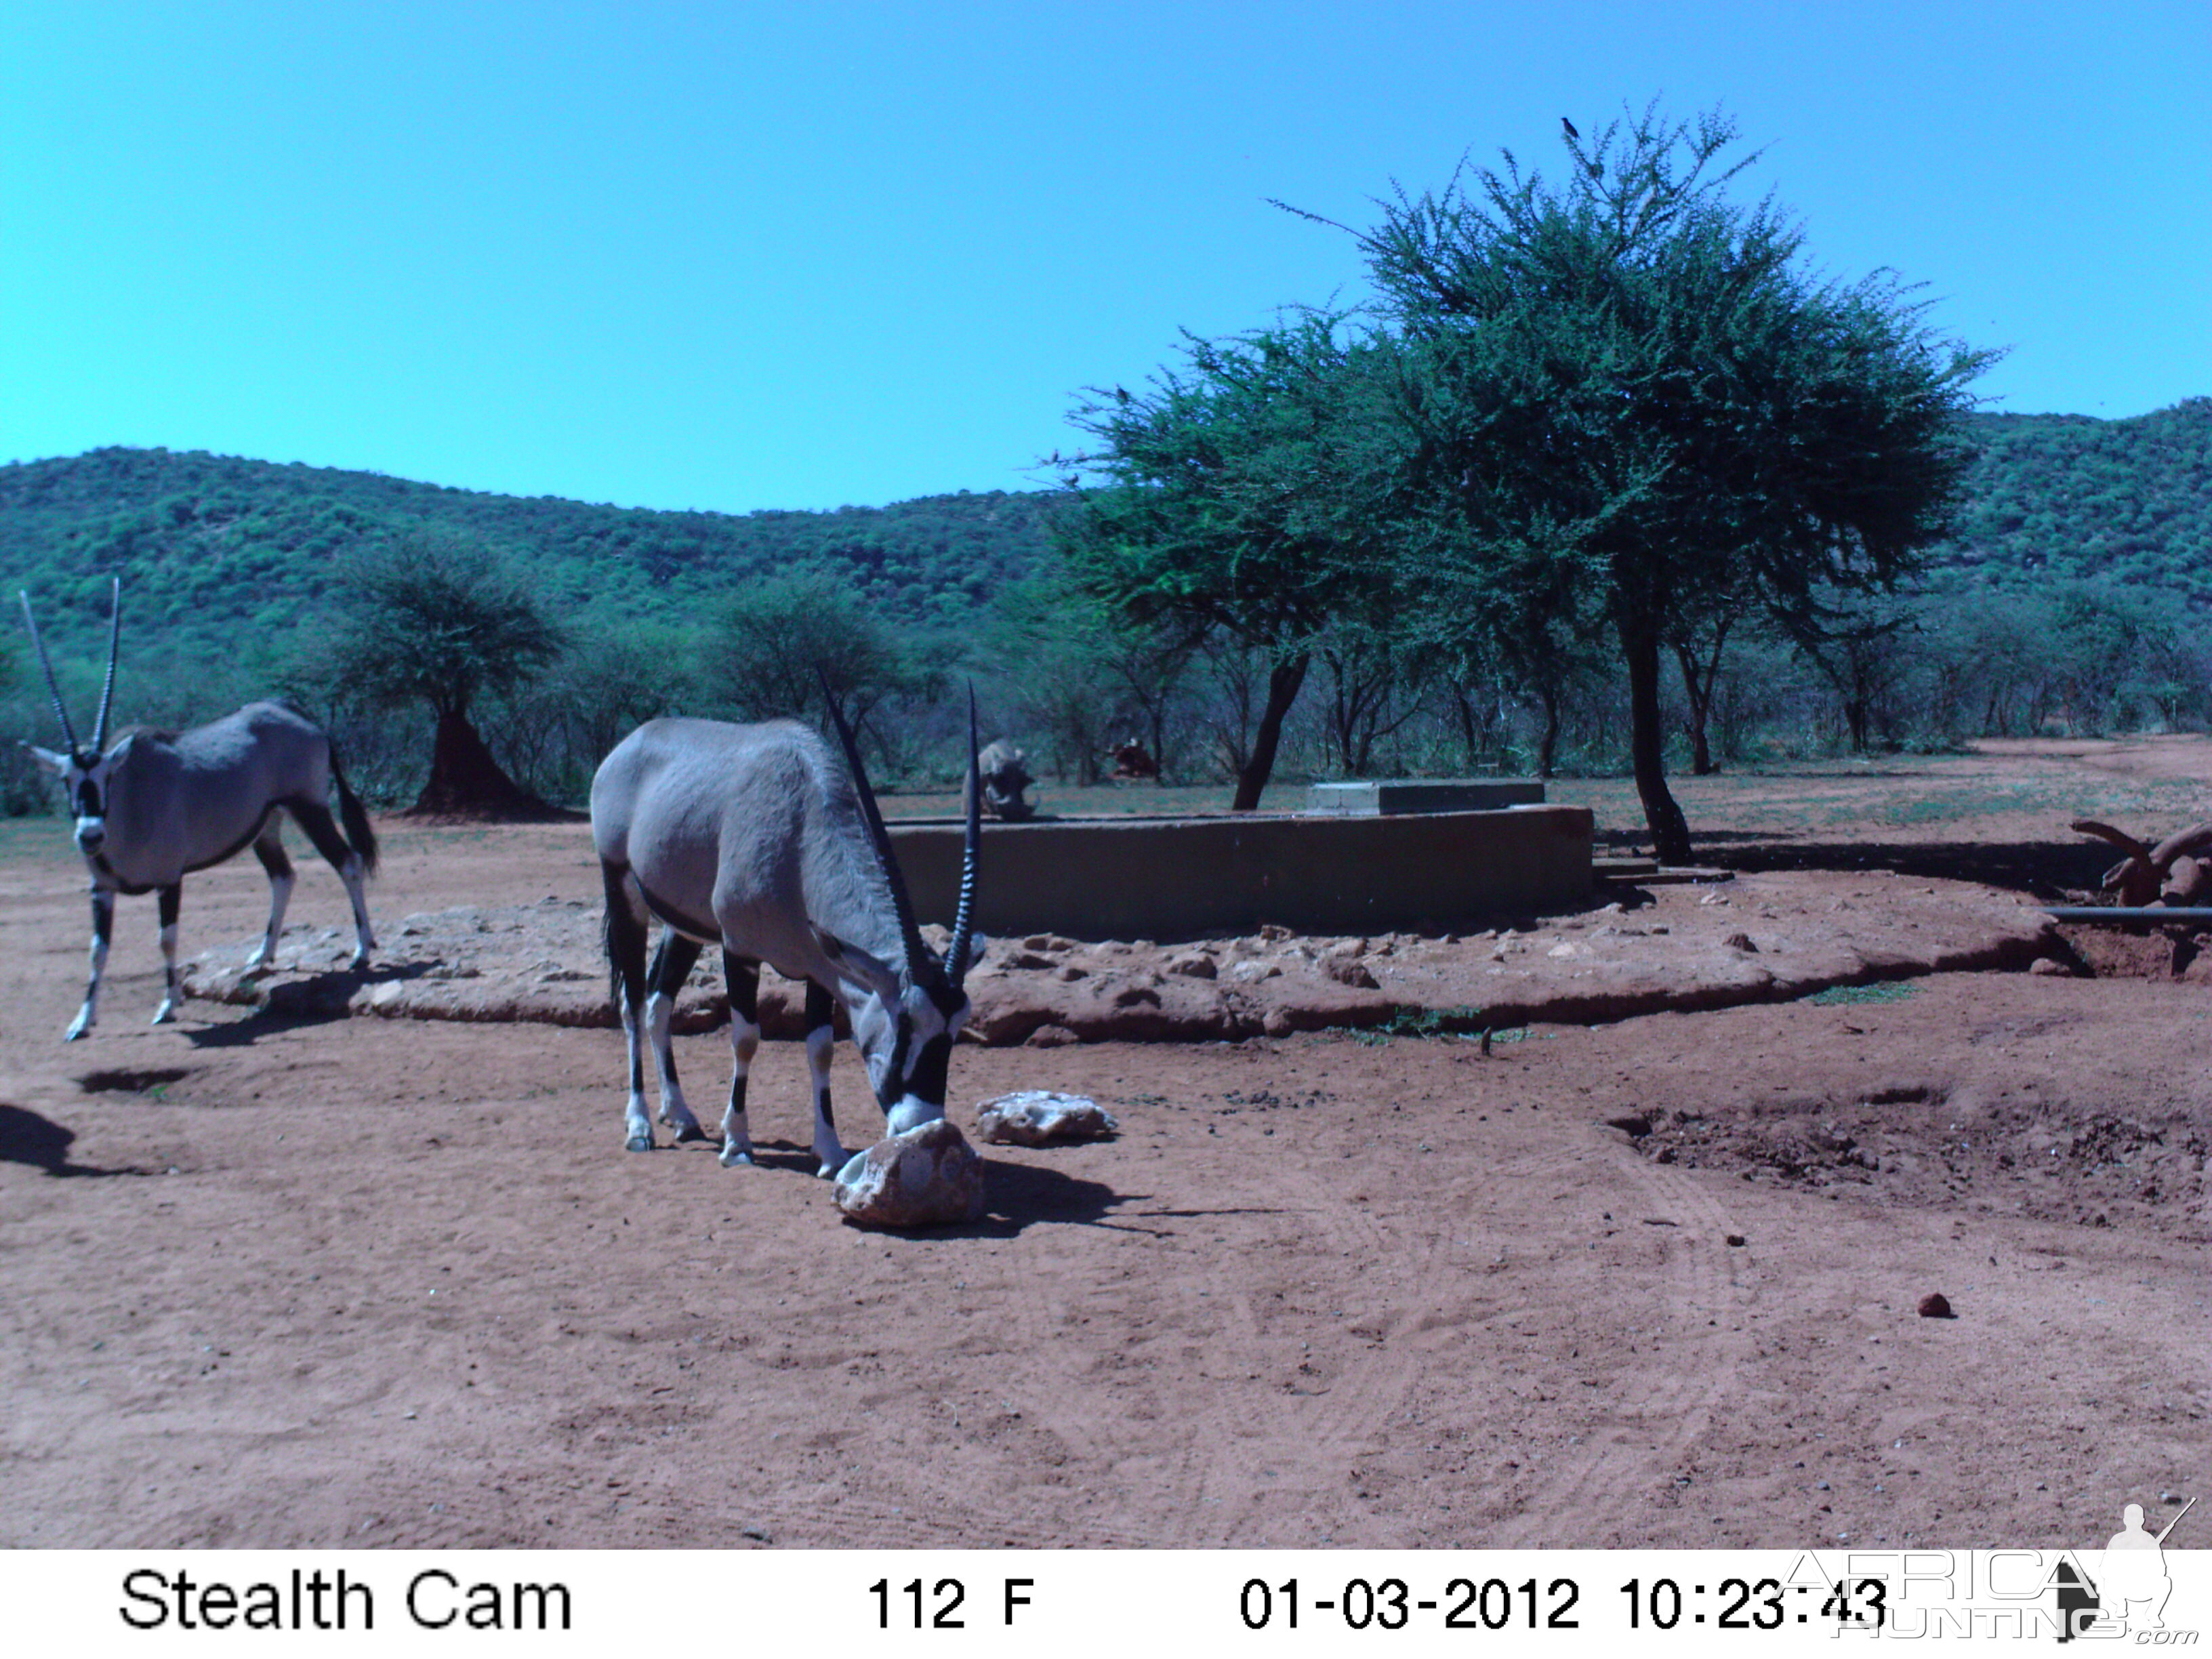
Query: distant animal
[
  {"x": 1569, "y": 126},
  {"x": 1133, "y": 760},
  {"x": 161, "y": 805},
  {"x": 1003, "y": 770},
  {"x": 754, "y": 839}
]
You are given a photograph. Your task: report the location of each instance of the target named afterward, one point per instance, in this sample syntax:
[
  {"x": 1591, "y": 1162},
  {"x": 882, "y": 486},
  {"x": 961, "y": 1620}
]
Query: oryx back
[{"x": 748, "y": 836}]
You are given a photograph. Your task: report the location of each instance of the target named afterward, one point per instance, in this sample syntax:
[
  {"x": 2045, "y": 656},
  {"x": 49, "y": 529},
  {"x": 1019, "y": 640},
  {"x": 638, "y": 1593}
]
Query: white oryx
[
  {"x": 161, "y": 805},
  {"x": 754, "y": 838}
]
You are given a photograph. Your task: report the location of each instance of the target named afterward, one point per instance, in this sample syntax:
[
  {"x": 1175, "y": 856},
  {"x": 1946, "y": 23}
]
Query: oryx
[
  {"x": 754, "y": 838},
  {"x": 161, "y": 805}
]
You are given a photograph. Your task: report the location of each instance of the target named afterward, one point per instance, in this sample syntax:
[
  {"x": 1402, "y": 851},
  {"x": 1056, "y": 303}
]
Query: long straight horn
[
  {"x": 963, "y": 921},
  {"x": 69, "y": 731},
  {"x": 114, "y": 642},
  {"x": 917, "y": 953}
]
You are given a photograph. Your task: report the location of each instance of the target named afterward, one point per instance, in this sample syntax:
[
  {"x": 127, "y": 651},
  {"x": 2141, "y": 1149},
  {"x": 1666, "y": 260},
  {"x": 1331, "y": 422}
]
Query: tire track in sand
[{"x": 1663, "y": 1411}]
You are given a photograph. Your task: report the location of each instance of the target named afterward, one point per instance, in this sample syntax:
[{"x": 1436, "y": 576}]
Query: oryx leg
[
  {"x": 671, "y": 966},
  {"x": 625, "y": 938},
  {"x": 168, "y": 898},
  {"x": 742, "y": 976},
  {"x": 821, "y": 1043},
  {"x": 322, "y": 830},
  {"x": 103, "y": 926},
  {"x": 269, "y": 847}
]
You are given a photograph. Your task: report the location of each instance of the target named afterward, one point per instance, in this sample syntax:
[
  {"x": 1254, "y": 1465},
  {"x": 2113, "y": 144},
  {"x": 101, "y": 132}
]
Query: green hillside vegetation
[
  {"x": 2071, "y": 593},
  {"x": 2065, "y": 498},
  {"x": 213, "y": 549}
]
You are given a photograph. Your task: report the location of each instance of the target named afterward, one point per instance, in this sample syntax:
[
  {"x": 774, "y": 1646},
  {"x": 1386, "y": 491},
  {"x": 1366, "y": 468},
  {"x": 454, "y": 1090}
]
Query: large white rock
[
  {"x": 1034, "y": 1117},
  {"x": 925, "y": 1177}
]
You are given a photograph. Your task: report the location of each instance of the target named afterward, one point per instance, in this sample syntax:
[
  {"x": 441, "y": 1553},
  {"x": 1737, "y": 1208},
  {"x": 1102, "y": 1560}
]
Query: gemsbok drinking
[
  {"x": 754, "y": 839},
  {"x": 161, "y": 805}
]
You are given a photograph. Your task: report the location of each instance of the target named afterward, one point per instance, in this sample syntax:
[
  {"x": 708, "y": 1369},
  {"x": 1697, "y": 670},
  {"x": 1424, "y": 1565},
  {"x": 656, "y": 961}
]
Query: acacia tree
[
  {"x": 433, "y": 620},
  {"x": 1628, "y": 380},
  {"x": 774, "y": 645},
  {"x": 1241, "y": 501}
]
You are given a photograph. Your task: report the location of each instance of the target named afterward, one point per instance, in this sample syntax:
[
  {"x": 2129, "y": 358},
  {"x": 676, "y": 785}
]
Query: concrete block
[{"x": 1394, "y": 796}]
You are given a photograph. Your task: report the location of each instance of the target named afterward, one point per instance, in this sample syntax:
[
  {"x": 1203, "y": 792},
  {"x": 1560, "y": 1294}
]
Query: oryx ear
[
  {"x": 48, "y": 761},
  {"x": 859, "y": 967}
]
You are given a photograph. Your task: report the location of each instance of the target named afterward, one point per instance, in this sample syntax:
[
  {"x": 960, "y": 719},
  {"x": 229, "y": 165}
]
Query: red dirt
[{"x": 367, "y": 1281}]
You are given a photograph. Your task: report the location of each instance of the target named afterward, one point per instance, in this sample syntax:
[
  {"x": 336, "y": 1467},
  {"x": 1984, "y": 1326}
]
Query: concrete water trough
[{"x": 1338, "y": 872}]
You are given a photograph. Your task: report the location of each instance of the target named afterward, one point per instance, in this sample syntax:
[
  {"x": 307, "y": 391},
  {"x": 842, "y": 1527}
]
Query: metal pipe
[{"x": 2115, "y": 915}]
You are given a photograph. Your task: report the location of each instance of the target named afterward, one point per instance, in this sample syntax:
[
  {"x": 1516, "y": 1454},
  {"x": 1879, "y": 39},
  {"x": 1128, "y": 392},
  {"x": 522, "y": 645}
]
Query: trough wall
[{"x": 1181, "y": 877}]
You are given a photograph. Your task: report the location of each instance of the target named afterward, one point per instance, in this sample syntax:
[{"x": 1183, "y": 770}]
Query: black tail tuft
[
  {"x": 625, "y": 937},
  {"x": 355, "y": 816}
]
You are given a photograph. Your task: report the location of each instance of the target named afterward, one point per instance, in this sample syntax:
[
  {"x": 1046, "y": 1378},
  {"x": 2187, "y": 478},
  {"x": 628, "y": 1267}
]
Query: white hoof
[
  {"x": 165, "y": 1014},
  {"x": 733, "y": 1156}
]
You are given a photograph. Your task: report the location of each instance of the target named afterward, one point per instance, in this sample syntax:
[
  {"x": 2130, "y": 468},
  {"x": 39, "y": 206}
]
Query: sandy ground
[{"x": 287, "y": 1279}]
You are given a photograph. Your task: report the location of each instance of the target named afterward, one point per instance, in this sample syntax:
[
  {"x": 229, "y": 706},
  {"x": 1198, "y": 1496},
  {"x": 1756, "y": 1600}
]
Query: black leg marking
[
  {"x": 672, "y": 963},
  {"x": 821, "y": 1039},
  {"x": 741, "y": 975},
  {"x": 167, "y": 900},
  {"x": 269, "y": 847},
  {"x": 672, "y": 966},
  {"x": 322, "y": 829}
]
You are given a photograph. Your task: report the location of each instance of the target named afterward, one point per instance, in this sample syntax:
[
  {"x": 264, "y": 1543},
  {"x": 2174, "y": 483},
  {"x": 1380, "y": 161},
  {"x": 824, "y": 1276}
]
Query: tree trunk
[
  {"x": 465, "y": 782},
  {"x": 1670, "y": 830},
  {"x": 1699, "y": 680},
  {"x": 1548, "y": 745},
  {"x": 1284, "y": 680}
]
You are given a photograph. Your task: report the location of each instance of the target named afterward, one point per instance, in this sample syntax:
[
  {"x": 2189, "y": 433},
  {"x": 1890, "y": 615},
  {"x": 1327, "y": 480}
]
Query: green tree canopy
[
  {"x": 443, "y": 621},
  {"x": 1626, "y": 381},
  {"x": 1243, "y": 496},
  {"x": 771, "y": 641}
]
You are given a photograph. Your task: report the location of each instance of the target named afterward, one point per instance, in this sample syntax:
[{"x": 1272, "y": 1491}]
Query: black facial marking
[
  {"x": 930, "y": 1067},
  {"x": 893, "y": 1085}
]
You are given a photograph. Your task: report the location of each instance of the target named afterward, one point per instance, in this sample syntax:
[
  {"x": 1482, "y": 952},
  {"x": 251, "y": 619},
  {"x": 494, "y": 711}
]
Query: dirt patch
[
  {"x": 2045, "y": 1161},
  {"x": 384, "y": 1282}
]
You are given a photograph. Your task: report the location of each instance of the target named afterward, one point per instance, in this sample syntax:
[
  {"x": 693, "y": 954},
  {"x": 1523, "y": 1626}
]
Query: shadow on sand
[{"x": 26, "y": 1138}]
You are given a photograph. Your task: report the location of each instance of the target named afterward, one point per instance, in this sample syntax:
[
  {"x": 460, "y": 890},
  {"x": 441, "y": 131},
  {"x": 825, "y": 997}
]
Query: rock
[
  {"x": 1741, "y": 942},
  {"x": 1936, "y": 1305},
  {"x": 1196, "y": 965},
  {"x": 926, "y": 1177},
  {"x": 1050, "y": 1036},
  {"x": 1349, "y": 970},
  {"x": 1036, "y": 1117},
  {"x": 2050, "y": 967}
]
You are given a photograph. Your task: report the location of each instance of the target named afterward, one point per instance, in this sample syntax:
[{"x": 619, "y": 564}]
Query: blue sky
[{"x": 736, "y": 257}]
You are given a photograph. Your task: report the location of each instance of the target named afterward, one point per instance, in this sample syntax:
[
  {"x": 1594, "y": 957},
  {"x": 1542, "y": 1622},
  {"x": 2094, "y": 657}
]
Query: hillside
[
  {"x": 213, "y": 549},
  {"x": 2067, "y": 497}
]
